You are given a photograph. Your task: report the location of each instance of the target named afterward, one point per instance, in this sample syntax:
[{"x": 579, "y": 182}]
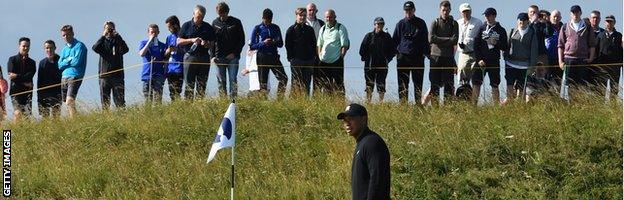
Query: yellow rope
[{"x": 309, "y": 66}]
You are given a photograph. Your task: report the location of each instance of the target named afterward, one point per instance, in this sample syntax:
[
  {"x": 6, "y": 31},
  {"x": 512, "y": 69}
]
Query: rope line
[{"x": 299, "y": 66}]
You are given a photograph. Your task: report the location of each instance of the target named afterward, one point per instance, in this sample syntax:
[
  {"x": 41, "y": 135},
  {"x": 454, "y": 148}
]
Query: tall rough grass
[{"x": 296, "y": 149}]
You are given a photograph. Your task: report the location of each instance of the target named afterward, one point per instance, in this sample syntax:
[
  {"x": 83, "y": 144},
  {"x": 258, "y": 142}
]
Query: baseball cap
[
  {"x": 575, "y": 8},
  {"x": 408, "y": 5},
  {"x": 610, "y": 18},
  {"x": 490, "y": 11},
  {"x": 353, "y": 110},
  {"x": 379, "y": 20},
  {"x": 523, "y": 16},
  {"x": 464, "y": 6}
]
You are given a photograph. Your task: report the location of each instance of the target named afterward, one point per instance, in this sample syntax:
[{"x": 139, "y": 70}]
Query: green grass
[{"x": 296, "y": 149}]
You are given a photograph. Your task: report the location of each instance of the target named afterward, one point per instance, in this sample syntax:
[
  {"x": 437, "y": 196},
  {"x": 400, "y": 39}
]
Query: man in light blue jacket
[{"x": 72, "y": 63}]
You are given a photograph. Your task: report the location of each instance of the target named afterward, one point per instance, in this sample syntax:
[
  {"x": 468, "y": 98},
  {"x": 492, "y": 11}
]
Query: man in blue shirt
[
  {"x": 196, "y": 37},
  {"x": 175, "y": 70},
  {"x": 153, "y": 74},
  {"x": 266, "y": 38},
  {"x": 72, "y": 63}
]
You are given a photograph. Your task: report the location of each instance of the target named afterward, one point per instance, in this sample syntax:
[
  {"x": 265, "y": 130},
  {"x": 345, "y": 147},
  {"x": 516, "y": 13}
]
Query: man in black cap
[
  {"x": 609, "y": 52},
  {"x": 377, "y": 50},
  {"x": 490, "y": 41},
  {"x": 576, "y": 48},
  {"x": 411, "y": 36},
  {"x": 370, "y": 170}
]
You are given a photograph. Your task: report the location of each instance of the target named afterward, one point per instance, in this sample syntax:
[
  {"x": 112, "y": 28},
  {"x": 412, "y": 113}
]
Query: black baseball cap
[
  {"x": 353, "y": 110},
  {"x": 408, "y": 5},
  {"x": 489, "y": 11},
  {"x": 610, "y": 18},
  {"x": 575, "y": 8},
  {"x": 379, "y": 20},
  {"x": 523, "y": 16}
]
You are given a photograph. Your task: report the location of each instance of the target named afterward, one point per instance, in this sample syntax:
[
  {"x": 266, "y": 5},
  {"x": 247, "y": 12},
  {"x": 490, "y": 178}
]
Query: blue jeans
[
  {"x": 231, "y": 68},
  {"x": 153, "y": 91}
]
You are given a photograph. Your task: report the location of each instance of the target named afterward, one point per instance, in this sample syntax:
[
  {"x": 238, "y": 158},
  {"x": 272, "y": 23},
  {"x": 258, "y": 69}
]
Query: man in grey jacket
[
  {"x": 443, "y": 38},
  {"x": 521, "y": 56}
]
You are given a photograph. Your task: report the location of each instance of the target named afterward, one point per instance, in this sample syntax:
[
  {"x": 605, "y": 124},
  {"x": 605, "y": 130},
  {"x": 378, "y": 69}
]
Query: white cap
[{"x": 464, "y": 6}]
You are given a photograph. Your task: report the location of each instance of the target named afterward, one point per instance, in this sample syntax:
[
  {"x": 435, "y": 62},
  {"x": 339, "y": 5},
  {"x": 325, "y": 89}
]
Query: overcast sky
[{"x": 41, "y": 19}]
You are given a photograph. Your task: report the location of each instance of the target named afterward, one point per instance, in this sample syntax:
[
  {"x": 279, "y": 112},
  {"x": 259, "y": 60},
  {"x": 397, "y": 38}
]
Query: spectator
[
  {"x": 554, "y": 73},
  {"x": 594, "y": 72},
  {"x": 610, "y": 53},
  {"x": 21, "y": 70},
  {"x": 230, "y": 39},
  {"x": 72, "y": 63},
  {"x": 311, "y": 19},
  {"x": 333, "y": 43},
  {"x": 443, "y": 38},
  {"x": 49, "y": 83},
  {"x": 377, "y": 50},
  {"x": 175, "y": 53},
  {"x": 491, "y": 40},
  {"x": 576, "y": 48},
  {"x": 468, "y": 31},
  {"x": 266, "y": 38},
  {"x": 542, "y": 28},
  {"x": 111, "y": 48},
  {"x": 196, "y": 37},
  {"x": 153, "y": 75},
  {"x": 410, "y": 35},
  {"x": 521, "y": 55},
  {"x": 301, "y": 52}
]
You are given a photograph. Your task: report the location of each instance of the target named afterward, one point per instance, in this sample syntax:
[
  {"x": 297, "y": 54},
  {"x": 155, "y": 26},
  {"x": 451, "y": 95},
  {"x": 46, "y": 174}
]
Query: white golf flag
[{"x": 226, "y": 136}]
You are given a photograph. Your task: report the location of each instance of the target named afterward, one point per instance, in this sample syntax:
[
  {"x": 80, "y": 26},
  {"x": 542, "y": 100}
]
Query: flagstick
[{"x": 232, "y": 177}]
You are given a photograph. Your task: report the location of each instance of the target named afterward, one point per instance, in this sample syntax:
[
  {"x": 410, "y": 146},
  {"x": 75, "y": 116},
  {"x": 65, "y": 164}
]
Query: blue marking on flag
[{"x": 226, "y": 125}]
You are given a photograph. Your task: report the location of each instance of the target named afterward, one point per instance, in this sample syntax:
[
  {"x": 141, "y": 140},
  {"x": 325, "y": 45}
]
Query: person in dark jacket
[
  {"x": 370, "y": 168},
  {"x": 520, "y": 57},
  {"x": 49, "y": 83},
  {"x": 609, "y": 53},
  {"x": 266, "y": 38},
  {"x": 111, "y": 48},
  {"x": 543, "y": 28},
  {"x": 443, "y": 36},
  {"x": 594, "y": 72},
  {"x": 301, "y": 52},
  {"x": 196, "y": 38},
  {"x": 489, "y": 43},
  {"x": 230, "y": 39},
  {"x": 21, "y": 70},
  {"x": 410, "y": 35},
  {"x": 377, "y": 50}
]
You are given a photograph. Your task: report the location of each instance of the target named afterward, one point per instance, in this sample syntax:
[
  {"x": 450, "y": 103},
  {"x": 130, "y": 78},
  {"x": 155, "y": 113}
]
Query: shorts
[
  {"x": 515, "y": 77},
  {"x": 69, "y": 87}
]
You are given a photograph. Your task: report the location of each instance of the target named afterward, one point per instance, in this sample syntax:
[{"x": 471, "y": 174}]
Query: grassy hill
[{"x": 296, "y": 149}]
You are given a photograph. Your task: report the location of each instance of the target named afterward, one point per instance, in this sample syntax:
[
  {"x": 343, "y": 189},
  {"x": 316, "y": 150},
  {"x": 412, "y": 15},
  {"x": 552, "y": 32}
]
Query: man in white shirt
[
  {"x": 468, "y": 30},
  {"x": 311, "y": 19}
]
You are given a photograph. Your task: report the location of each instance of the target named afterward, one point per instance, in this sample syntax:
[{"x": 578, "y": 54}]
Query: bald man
[
  {"x": 311, "y": 19},
  {"x": 554, "y": 74},
  {"x": 332, "y": 46}
]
